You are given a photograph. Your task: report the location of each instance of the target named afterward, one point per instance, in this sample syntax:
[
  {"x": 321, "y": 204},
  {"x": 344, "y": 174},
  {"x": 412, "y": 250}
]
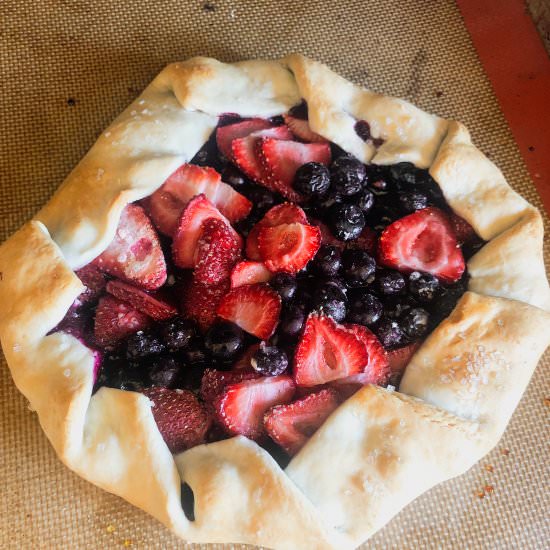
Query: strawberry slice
[
  {"x": 288, "y": 247},
  {"x": 217, "y": 252},
  {"x": 184, "y": 245},
  {"x": 292, "y": 425},
  {"x": 166, "y": 204},
  {"x": 114, "y": 320},
  {"x": 302, "y": 130},
  {"x": 327, "y": 351},
  {"x": 377, "y": 370},
  {"x": 135, "y": 254},
  {"x": 226, "y": 134},
  {"x": 242, "y": 406},
  {"x": 214, "y": 382},
  {"x": 254, "y": 308},
  {"x": 463, "y": 230},
  {"x": 399, "y": 359},
  {"x": 243, "y": 151},
  {"x": 150, "y": 303},
  {"x": 200, "y": 301},
  {"x": 181, "y": 419},
  {"x": 94, "y": 280},
  {"x": 282, "y": 213},
  {"x": 244, "y": 361},
  {"x": 424, "y": 241},
  {"x": 281, "y": 159},
  {"x": 249, "y": 273}
]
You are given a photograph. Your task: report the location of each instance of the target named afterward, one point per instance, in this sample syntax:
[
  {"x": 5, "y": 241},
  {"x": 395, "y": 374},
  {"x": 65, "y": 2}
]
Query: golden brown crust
[{"x": 470, "y": 385}]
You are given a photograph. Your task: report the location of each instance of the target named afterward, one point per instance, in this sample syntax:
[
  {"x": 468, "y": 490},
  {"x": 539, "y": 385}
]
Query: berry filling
[{"x": 239, "y": 312}]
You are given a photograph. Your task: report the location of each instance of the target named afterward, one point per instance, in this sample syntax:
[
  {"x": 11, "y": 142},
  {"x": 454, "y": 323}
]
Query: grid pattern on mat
[{"x": 68, "y": 67}]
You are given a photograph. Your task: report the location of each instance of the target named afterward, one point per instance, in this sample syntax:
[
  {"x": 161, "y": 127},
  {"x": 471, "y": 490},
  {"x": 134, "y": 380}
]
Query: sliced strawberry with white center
[
  {"x": 375, "y": 372},
  {"x": 226, "y": 134},
  {"x": 302, "y": 130},
  {"x": 254, "y": 308},
  {"x": 399, "y": 359},
  {"x": 135, "y": 254},
  {"x": 184, "y": 245},
  {"x": 166, "y": 204},
  {"x": 424, "y": 241},
  {"x": 153, "y": 304},
  {"x": 182, "y": 420},
  {"x": 214, "y": 382},
  {"x": 282, "y": 213},
  {"x": 243, "y": 151},
  {"x": 249, "y": 273},
  {"x": 292, "y": 425},
  {"x": 288, "y": 247},
  {"x": 218, "y": 250},
  {"x": 115, "y": 319},
  {"x": 281, "y": 159},
  {"x": 242, "y": 406},
  {"x": 327, "y": 351}
]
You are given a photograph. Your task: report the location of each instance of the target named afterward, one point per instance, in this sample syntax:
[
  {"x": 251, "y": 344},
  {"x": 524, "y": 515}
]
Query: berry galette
[{"x": 272, "y": 307}]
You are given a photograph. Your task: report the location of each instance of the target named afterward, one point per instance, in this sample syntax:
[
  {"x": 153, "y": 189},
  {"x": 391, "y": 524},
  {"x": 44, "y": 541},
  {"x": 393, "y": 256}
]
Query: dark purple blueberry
[
  {"x": 411, "y": 202},
  {"x": 195, "y": 353},
  {"x": 405, "y": 172},
  {"x": 292, "y": 321},
  {"x": 164, "y": 372},
  {"x": 142, "y": 344},
  {"x": 447, "y": 299},
  {"x": 347, "y": 175},
  {"x": 395, "y": 306},
  {"x": 285, "y": 285},
  {"x": 312, "y": 180},
  {"x": 423, "y": 286},
  {"x": 379, "y": 186},
  {"x": 390, "y": 282},
  {"x": 269, "y": 360},
  {"x": 362, "y": 129},
  {"x": 224, "y": 340},
  {"x": 365, "y": 309},
  {"x": 346, "y": 221},
  {"x": 365, "y": 200},
  {"x": 226, "y": 119},
  {"x": 326, "y": 203},
  {"x": 130, "y": 377},
  {"x": 190, "y": 376},
  {"x": 414, "y": 322},
  {"x": 359, "y": 267},
  {"x": 390, "y": 334},
  {"x": 178, "y": 333},
  {"x": 299, "y": 111},
  {"x": 327, "y": 261},
  {"x": 331, "y": 301},
  {"x": 381, "y": 216},
  {"x": 262, "y": 199},
  {"x": 277, "y": 120},
  {"x": 336, "y": 281},
  {"x": 234, "y": 177}
]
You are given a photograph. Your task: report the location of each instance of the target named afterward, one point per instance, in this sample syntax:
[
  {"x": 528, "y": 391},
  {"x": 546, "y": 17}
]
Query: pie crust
[{"x": 380, "y": 449}]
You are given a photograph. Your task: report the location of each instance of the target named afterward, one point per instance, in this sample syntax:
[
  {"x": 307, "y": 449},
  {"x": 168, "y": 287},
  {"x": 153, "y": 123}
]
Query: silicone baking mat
[{"x": 68, "y": 67}]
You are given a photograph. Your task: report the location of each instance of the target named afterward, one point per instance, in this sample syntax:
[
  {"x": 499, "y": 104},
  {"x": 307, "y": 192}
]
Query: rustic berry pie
[{"x": 271, "y": 307}]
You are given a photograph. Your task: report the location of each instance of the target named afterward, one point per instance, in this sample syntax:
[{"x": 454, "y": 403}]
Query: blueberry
[
  {"x": 312, "y": 180},
  {"x": 365, "y": 309},
  {"x": 347, "y": 175},
  {"x": 389, "y": 333},
  {"x": 224, "y": 340},
  {"x": 405, "y": 172},
  {"x": 195, "y": 353},
  {"x": 261, "y": 198},
  {"x": 379, "y": 186},
  {"x": 331, "y": 301},
  {"x": 142, "y": 344},
  {"x": 234, "y": 177},
  {"x": 395, "y": 306},
  {"x": 292, "y": 321},
  {"x": 390, "y": 282},
  {"x": 423, "y": 286},
  {"x": 178, "y": 333},
  {"x": 447, "y": 299},
  {"x": 362, "y": 129},
  {"x": 411, "y": 202},
  {"x": 164, "y": 372},
  {"x": 326, "y": 203},
  {"x": 346, "y": 221},
  {"x": 130, "y": 377},
  {"x": 381, "y": 216},
  {"x": 414, "y": 322},
  {"x": 269, "y": 360},
  {"x": 299, "y": 111},
  {"x": 327, "y": 261},
  {"x": 359, "y": 267},
  {"x": 366, "y": 200},
  {"x": 285, "y": 285}
]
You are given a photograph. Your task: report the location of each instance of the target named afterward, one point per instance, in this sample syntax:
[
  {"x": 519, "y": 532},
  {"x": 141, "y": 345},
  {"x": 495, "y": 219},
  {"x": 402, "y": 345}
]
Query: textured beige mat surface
[{"x": 68, "y": 67}]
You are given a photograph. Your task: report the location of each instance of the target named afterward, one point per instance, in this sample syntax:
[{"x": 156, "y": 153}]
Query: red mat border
[{"x": 513, "y": 57}]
